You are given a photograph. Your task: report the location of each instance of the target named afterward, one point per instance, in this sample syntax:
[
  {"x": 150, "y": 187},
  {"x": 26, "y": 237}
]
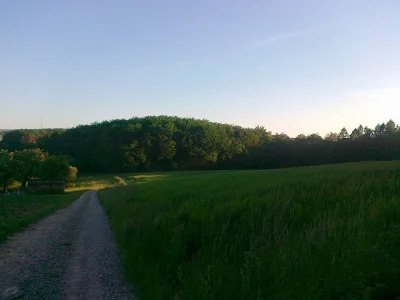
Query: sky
[{"x": 290, "y": 66}]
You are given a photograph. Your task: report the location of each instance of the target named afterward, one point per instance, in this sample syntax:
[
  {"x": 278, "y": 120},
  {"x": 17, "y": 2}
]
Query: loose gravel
[{"x": 69, "y": 255}]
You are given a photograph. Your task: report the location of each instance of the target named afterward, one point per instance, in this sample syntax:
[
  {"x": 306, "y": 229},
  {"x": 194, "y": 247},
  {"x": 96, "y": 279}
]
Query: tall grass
[{"x": 327, "y": 232}]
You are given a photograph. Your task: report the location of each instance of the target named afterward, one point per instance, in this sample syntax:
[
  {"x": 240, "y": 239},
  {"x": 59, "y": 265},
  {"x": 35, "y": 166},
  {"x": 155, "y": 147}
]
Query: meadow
[
  {"x": 18, "y": 211},
  {"x": 325, "y": 232}
]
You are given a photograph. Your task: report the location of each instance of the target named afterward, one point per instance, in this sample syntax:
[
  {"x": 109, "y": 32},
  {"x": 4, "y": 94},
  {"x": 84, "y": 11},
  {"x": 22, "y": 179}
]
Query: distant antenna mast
[{"x": 41, "y": 123}]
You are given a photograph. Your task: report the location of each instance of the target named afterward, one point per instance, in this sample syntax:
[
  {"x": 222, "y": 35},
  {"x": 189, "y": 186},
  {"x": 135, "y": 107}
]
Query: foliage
[
  {"x": 72, "y": 173},
  {"x": 327, "y": 232},
  {"x": 332, "y": 137},
  {"x": 54, "y": 167},
  {"x": 314, "y": 136},
  {"x": 20, "y": 166},
  {"x": 170, "y": 143},
  {"x": 6, "y": 171},
  {"x": 343, "y": 134},
  {"x": 20, "y": 139},
  {"x": 3, "y": 132},
  {"x": 26, "y": 164}
]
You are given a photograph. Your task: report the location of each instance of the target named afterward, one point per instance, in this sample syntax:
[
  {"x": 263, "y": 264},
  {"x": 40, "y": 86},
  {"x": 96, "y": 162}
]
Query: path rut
[{"x": 69, "y": 255}]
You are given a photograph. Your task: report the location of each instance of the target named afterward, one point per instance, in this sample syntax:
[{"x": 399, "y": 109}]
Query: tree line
[
  {"x": 3, "y": 132},
  {"x": 157, "y": 143},
  {"x": 21, "y": 166}
]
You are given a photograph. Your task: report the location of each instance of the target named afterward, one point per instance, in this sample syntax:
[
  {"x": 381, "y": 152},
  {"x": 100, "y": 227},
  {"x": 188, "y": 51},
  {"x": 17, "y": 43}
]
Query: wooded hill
[
  {"x": 171, "y": 143},
  {"x": 3, "y": 132}
]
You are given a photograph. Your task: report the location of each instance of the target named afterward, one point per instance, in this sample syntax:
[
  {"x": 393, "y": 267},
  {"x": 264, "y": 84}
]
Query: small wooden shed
[{"x": 54, "y": 185}]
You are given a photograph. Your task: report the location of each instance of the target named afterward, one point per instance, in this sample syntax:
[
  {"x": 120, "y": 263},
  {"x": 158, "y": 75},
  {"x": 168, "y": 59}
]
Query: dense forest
[
  {"x": 3, "y": 132},
  {"x": 172, "y": 143}
]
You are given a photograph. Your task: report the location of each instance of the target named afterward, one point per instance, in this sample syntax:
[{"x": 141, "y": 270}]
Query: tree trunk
[{"x": 5, "y": 187}]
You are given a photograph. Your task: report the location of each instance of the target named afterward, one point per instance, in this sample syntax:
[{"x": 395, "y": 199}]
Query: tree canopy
[
  {"x": 170, "y": 143},
  {"x": 21, "y": 166},
  {"x": 54, "y": 167},
  {"x": 26, "y": 164}
]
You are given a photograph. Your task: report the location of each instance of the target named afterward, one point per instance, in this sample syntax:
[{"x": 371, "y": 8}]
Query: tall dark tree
[
  {"x": 369, "y": 133},
  {"x": 391, "y": 127},
  {"x": 357, "y": 133},
  {"x": 343, "y": 134},
  {"x": 380, "y": 129}
]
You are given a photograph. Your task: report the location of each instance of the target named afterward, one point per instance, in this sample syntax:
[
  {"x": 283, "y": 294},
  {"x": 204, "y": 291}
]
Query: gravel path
[{"x": 69, "y": 255}]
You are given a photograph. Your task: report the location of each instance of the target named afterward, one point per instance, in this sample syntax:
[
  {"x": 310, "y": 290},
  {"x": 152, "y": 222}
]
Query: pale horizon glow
[{"x": 294, "y": 67}]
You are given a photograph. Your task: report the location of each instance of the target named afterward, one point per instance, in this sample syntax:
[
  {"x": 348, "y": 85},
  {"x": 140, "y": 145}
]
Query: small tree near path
[
  {"x": 53, "y": 168},
  {"x": 26, "y": 164},
  {"x": 56, "y": 168}
]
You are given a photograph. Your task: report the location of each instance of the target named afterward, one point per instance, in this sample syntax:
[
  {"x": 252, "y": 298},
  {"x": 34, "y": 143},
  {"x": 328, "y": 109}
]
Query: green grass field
[
  {"x": 18, "y": 211},
  {"x": 327, "y": 232}
]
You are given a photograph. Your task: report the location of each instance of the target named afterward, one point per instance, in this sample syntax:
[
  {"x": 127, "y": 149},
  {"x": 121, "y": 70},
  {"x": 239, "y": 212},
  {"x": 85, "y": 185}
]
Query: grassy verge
[
  {"x": 93, "y": 182},
  {"x": 327, "y": 232},
  {"x": 18, "y": 211},
  {"x": 142, "y": 178}
]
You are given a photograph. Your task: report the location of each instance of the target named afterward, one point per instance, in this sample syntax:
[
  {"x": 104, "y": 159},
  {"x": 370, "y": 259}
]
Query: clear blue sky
[{"x": 290, "y": 66}]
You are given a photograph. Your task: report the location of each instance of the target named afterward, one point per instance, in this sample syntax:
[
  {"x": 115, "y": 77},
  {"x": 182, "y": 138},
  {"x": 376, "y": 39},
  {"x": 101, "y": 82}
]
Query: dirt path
[
  {"x": 69, "y": 255},
  {"x": 126, "y": 181}
]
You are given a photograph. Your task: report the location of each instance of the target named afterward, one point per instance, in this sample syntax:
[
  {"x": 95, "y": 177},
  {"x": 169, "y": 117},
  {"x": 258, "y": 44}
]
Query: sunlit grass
[
  {"x": 140, "y": 178},
  {"x": 93, "y": 182},
  {"x": 327, "y": 232}
]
